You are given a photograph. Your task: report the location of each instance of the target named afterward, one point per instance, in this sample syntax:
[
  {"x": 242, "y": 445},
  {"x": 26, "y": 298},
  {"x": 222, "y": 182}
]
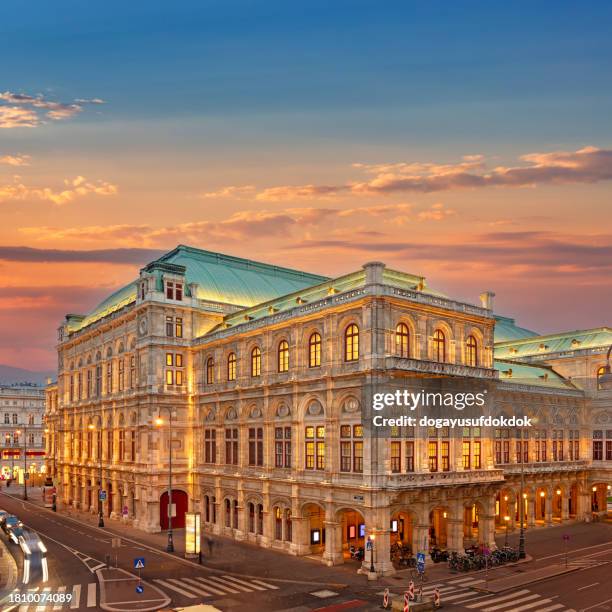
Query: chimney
[{"x": 486, "y": 299}]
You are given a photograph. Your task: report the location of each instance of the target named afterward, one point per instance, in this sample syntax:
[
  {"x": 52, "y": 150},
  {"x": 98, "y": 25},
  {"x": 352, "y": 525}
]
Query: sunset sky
[{"x": 469, "y": 142}]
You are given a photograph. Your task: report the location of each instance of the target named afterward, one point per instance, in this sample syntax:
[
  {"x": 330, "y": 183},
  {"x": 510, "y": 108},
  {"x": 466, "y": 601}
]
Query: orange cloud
[
  {"x": 15, "y": 160},
  {"x": 232, "y": 191},
  {"x": 74, "y": 188},
  {"x": 14, "y": 117}
]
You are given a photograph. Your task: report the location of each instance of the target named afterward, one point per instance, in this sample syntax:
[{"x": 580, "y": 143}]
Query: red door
[{"x": 181, "y": 502}]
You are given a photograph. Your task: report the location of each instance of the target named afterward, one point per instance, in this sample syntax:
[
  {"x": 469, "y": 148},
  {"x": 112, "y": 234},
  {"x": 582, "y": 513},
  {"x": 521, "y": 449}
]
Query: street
[{"x": 240, "y": 576}]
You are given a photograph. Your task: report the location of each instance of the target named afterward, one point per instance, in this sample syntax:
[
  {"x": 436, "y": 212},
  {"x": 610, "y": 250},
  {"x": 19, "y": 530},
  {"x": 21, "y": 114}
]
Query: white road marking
[
  {"x": 534, "y": 604},
  {"x": 167, "y": 585},
  {"x": 91, "y": 595},
  {"x": 588, "y": 586},
  {"x": 551, "y": 608},
  {"x": 270, "y": 586},
  {"x": 235, "y": 586},
  {"x": 510, "y": 603},
  {"x": 255, "y": 586},
  {"x": 76, "y": 597},
  {"x": 215, "y": 589},
  {"x": 197, "y": 587},
  {"x": 221, "y": 584},
  {"x": 42, "y": 607},
  {"x": 484, "y": 603}
]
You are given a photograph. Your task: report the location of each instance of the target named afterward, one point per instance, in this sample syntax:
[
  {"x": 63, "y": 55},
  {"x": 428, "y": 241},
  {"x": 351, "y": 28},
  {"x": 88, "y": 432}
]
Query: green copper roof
[
  {"x": 523, "y": 374},
  {"x": 600, "y": 337},
  {"x": 220, "y": 278},
  {"x": 307, "y": 295},
  {"x": 506, "y": 329}
]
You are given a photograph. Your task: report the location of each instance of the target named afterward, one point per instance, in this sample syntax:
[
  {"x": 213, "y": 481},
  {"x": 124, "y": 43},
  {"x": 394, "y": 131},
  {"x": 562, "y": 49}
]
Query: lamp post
[
  {"x": 25, "y": 460},
  {"x": 372, "y": 568},
  {"x": 159, "y": 422},
  {"x": 92, "y": 427},
  {"x": 522, "y": 512}
]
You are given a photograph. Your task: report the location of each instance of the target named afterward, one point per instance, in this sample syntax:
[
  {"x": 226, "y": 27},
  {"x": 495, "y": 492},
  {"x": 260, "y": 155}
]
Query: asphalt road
[{"x": 75, "y": 548}]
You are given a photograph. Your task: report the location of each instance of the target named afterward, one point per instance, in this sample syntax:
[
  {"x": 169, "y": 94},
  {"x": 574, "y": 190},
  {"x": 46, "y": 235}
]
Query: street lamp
[
  {"x": 372, "y": 568},
  {"x": 25, "y": 460},
  {"x": 159, "y": 422},
  {"x": 506, "y": 520},
  {"x": 92, "y": 427}
]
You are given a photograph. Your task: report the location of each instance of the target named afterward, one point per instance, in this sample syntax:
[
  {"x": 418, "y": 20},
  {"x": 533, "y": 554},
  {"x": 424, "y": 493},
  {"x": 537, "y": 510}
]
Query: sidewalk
[{"x": 8, "y": 570}]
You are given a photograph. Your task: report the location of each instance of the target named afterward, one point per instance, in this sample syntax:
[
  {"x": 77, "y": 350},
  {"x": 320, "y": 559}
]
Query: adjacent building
[
  {"x": 22, "y": 430},
  {"x": 258, "y": 381}
]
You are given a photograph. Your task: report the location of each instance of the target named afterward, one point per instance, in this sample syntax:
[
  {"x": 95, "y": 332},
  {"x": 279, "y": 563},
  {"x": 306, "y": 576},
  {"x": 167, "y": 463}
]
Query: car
[
  {"x": 3, "y": 515},
  {"x": 34, "y": 557},
  {"x": 10, "y": 521},
  {"x": 14, "y": 532}
]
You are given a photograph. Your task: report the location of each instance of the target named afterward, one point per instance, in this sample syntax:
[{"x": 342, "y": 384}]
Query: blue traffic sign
[
  {"x": 139, "y": 588},
  {"x": 102, "y": 495},
  {"x": 139, "y": 563}
]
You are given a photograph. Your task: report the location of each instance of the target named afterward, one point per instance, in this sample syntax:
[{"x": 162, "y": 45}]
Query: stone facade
[{"x": 267, "y": 412}]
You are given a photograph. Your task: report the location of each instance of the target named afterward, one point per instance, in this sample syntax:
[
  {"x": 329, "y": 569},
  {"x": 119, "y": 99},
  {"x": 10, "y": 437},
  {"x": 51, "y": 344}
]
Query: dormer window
[{"x": 174, "y": 291}]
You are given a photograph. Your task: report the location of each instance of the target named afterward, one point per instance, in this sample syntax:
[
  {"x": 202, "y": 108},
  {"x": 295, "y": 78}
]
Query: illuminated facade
[
  {"x": 267, "y": 374},
  {"x": 22, "y": 408}
]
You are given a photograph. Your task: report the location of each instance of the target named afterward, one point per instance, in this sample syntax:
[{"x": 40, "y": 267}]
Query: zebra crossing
[
  {"x": 198, "y": 587},
  {"x": 83, "y": 596},
  {"x": 460, "y": 594}
]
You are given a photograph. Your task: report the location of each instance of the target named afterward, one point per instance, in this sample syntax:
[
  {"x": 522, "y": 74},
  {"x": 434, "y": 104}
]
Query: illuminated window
[
  {"x": 169, "y": 359},
  {"x": 432, "y": 453},
  {"x": 477, "y": 455},
  {"x": 210, "y": 371},
  {"x": 396, "y": 456},
  {"x": 471, "y": 351},
  {"x": 466, "y": 455},
  {"x": 410, "y": 456},
  {"x": 445, "y": 455},
  {"x": 315, "y": 447},
  {"x": 314, "y": 350},
  {"x": 439, "y": 346},
  {"x": 351, "y": 343},
  {"x": 283, "y": 356},
  {"x": 178, "y": 327},
  {"x": 256, "y": 362},
  {"x": 402, "y": 340},
  {"x": 231, "y": 366},
  {"x": 600, "y": 372}
]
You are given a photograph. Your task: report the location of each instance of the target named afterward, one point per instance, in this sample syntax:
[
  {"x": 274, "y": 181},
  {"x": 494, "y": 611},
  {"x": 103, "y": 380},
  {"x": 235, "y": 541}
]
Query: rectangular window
[
  {"x": 169, "y": 290},
  {"x": 231, "y": 446},
  {"x": 396, "y": 456},
  {"x": 410, "y": 456},
  {"x": 98, "y": 380},
  {"x": 109, "y": 377},
  {"x": 345, "y": 456},
  {"x": 178, "y": 377},
  {"x": 282, "y": 447},
  {"x": 169, "y": 327},
  {"x": 445, "y": 456},
  {"x": 357, "y": 456},
  {"x": 133, "y": 445},
  {"x": 89, "y": 385},
  {"x": 210, "y": 446},
  {"x": 597, "y": 450},
  {"x": 169, "y": 377},
  {"x": 498, "y": 452},
  {"x": 132, "y": 372},
  {"x": 608, "y": 450},
  {"x": 121, "y": 374},
  {"x": 315, "y": 447},
  {"x": 465, "y": 452},
  {"x": 432, "y": 452},
  {"x": 477, "y": 456},
  {"x": 178, "y": 328},
  {"x": 255, "y": 445}
]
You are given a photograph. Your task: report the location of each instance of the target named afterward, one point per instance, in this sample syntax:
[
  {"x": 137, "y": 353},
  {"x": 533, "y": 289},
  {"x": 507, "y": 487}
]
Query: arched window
[
  {"x": 288, "y": 530},
  {"x": 439, "y": 345},
  {"x": 231, "y": 366},
  {"x": 210, "y": 371},
  {"x": 402, "y": 340},
  {"x": 256, "y": 362},
  {"x": 314, "y": 350},
  {"x": 471, "y": 352},
  {"x": 600, "y": 372},
  {"x": 283, "y": 356},
  {"x": 351, "y": 343}
]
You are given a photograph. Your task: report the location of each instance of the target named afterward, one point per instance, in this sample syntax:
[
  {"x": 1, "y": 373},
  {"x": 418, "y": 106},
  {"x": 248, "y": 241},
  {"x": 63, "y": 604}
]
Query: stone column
[
  {"x": 333, "y": 542},
  {"x": 548, "y": 509},
  {"x": 565, "y": 499},
  {"x": 511, "y": 513},
  {"x": 531, "y": 511}
]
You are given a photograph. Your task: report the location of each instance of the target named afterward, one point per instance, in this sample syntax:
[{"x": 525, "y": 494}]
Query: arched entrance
[
  {"x": 599, "y": 495},
  {"x": 573, "y": 500},
  {"x": 557, "y": 503},
  {"x": 180, "y": 501},
  {"x": 505, "y": 501},
  {"x": 438, "y": 527},
  {"x": 402, "y": 528},
  {"x": 352, "y": 526},
  {"x": 315, "y": 523},
  {"x": 471, "y": 524},
  {"x": 540, "y": 504}
]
